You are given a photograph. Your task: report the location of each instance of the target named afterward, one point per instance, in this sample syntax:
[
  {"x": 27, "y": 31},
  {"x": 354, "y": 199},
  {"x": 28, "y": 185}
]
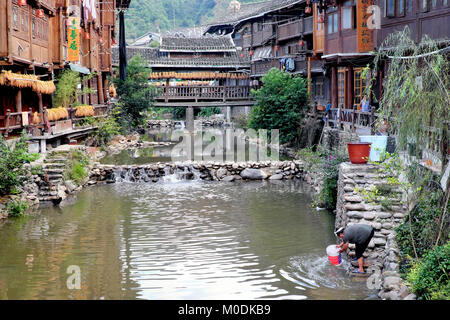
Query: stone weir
[{"x": 207, "y": 171}]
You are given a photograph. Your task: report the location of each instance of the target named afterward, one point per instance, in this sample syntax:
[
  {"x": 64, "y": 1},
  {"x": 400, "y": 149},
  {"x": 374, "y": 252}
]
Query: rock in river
[{"x": 253, "y": 174}]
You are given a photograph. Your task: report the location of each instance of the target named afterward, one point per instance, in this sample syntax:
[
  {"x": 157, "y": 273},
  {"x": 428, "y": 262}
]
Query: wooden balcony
[
  {"x": 295, "y": 29},
  {"x": 13, "y": 121},
  {"x": 262, "y": 67}
]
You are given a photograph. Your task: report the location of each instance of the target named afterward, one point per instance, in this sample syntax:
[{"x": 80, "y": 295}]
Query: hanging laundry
[{"x": 290, "y": 65}]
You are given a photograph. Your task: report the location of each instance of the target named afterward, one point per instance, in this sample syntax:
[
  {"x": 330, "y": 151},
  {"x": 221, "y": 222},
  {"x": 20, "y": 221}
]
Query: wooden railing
[
  {"x": 262, "y": 67},
  {"x": 337, "y": 117},
  {"x": 356, "y": 119},
  {"x": 13, "y": 120},
  {"x": 221, "y": 93}
]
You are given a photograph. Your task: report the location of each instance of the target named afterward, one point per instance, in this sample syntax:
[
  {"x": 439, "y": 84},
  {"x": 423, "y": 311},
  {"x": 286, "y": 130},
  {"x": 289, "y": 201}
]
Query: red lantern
[
  {"x": 22, "y": 2},
  {"x": 87, "y": 35},
  {"x": 40, "y": 13},
  {"x": 320, "y": 19},
  {"x": 101, "y": 40},
  {"x": 242, "y": 55},
  {"x": 308, "y": 10},
  {"x": 114, "y": 42},
  {"x": 301, "y": 43},
  {"x": 276, "y": 48},
  {"x": 252, "y": 52}
]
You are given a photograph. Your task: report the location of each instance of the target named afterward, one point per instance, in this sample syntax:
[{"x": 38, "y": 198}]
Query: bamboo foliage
[{"x": 9, "y": 78}]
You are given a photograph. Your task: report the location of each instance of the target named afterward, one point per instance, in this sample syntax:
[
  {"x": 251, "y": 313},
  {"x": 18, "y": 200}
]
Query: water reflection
[
  {"x": 185, "y": 240},
  {"x": 214, "y": 144}
]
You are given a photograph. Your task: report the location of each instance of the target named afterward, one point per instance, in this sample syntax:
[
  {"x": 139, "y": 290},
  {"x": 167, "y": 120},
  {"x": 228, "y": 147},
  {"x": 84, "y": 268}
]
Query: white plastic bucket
[
  {"x": 333, "y": 255},
  {"x": 379, "y": 144}
]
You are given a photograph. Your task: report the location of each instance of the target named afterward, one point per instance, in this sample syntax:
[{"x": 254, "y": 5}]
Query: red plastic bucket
[
  {"x": 334, "y": 256},
  {"x": 359, "y": 152}
]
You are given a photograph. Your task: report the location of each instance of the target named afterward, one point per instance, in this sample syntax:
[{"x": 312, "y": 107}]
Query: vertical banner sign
[
  {"x": 365, "y": 35},
  {"x": 73, "y": 39}
]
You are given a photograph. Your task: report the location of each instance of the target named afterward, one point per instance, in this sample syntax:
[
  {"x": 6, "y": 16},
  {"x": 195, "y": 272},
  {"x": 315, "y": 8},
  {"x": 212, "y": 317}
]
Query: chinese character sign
[
  {"x": 363, "y": 20},
  {"x": 73, "y": 40}
]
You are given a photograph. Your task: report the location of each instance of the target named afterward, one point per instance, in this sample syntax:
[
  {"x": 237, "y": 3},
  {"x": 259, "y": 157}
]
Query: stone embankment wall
[
  {"x": 208, "y": 171},
  {"x": 384, "y": 216}
]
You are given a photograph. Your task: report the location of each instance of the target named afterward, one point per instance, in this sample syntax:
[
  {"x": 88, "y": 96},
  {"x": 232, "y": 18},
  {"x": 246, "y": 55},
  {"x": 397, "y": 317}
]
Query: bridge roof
[
  {"x": 156, "y": 60},
  {"x": 197, "y": 44}
]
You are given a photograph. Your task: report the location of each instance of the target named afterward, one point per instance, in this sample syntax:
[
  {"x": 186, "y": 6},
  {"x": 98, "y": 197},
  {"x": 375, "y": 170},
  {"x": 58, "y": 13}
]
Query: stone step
[
  {"x": 52, "y": 171},
  {"x": 54, "y": 165},
  {"x": 50, "y": 198},
  {"x": 53, "y": 160}
]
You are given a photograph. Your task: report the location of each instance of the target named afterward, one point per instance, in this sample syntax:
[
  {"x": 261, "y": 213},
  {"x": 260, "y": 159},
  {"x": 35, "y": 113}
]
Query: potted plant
[{"x": 359, "y": 152}]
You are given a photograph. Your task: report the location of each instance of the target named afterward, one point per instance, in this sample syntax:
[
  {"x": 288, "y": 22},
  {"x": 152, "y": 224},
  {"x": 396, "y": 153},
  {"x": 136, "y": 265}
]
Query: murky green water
[
  {"x": 185, "y": 240},
  {"x": 164, "y": 154}
]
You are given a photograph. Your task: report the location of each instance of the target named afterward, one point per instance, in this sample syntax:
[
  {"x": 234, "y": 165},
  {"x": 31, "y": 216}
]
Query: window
[
  {"x": 433, "y": 3},
  {"x": 390, "y": 8},
  {"x": 347, "y": 15},
  {"x": 319, "y": 89},
  {"x": 359, "y": 87},
  {"x": 409, "y": 4},
  {"x": 15, "y": 18},
  {"x": 260, "y": 26},
  {"x": 401, "y": 8},
  {"x": 424, "y": 5},
  {"x": 332, "y": 23},
  {"x": 444, "y": 3},
  {"x": 341, "y": 87}
]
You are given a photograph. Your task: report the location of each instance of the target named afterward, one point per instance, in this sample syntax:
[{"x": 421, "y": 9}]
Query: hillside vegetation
[{"x": 163, "y": 15}]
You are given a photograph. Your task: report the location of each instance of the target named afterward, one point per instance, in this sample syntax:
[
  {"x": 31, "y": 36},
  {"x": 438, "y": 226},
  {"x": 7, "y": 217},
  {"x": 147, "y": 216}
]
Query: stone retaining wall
[{"x": 353, "y": 208}]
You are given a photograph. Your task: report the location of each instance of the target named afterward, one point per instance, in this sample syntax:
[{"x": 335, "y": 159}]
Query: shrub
[
  {"x": 107, "y": 129},
  {"x": 179, "y": 113},
  {"x": 242, "y": 121},
  {"x": 280, "y": 104},
  {"x": 425, "y": 224},
  {"x": 12, "y": 160},
  {"x": 16, "y": 208},
  {"x": 330, "y": 168},
  {"x": 77, "y": 167},
  {"x": 429, "y": 277},
  {"x": 325, "y": 163},
  {"x": 208, "y": 112}
]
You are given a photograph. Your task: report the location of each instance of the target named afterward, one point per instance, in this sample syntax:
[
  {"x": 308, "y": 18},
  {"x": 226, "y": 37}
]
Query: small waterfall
[
  {"x": 146, "y": 175},
  {"x": 123, "y": 175}
]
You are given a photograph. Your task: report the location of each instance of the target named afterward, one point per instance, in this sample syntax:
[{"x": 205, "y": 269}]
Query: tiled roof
[
  {"x": 251, "y": 10},
  {"x": 152, "y": 56},
  {"x": 221, "y": 44}
]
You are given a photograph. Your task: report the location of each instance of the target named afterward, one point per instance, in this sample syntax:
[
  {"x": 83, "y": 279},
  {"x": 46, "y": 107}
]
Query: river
[{"x": 177, "y": 240}]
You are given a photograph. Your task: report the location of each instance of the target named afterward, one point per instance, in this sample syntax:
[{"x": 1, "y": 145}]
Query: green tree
[
  {"x": 135, "y": 94},
  {"x": 280, "y": 104}
]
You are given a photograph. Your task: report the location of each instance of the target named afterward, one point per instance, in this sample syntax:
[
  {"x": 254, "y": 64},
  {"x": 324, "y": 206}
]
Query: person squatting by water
[{"x": 360, "y": 235}]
